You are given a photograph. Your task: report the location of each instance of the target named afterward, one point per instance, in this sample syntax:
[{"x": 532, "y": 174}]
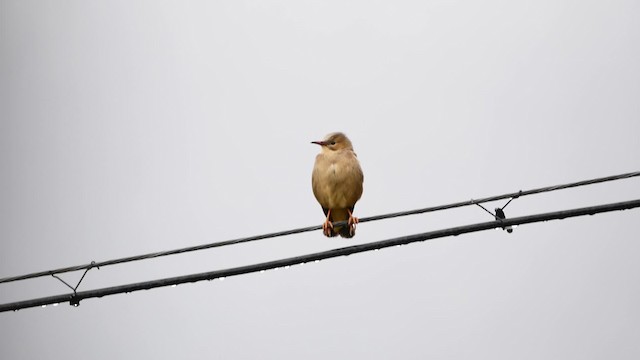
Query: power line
[
  {"x": 317, "y": 227},
  {"x": 75, "y": 298},
  {"x": 504, "y": 196}
]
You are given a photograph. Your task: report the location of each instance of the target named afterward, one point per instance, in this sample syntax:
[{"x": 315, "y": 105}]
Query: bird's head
[{"x": 335, "y": 141}]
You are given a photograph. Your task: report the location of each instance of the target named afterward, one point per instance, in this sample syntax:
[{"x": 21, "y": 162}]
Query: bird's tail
[
  {"x": 342, "y": 230},
  {"x": 345, "y": 232}
]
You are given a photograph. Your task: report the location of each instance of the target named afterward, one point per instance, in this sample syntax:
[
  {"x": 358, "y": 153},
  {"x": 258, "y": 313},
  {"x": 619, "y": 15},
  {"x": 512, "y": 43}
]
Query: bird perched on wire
[{"x": 337, "y": 183}]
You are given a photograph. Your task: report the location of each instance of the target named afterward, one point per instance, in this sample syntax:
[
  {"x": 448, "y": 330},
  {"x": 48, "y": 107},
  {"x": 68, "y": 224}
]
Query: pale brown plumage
[{"x": 337, "y": 183}]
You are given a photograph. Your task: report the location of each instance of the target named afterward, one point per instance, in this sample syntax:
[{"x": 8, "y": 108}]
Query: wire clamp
[
  {"x": 499, "y": 214},
  {"x": 74, "y": 300}
]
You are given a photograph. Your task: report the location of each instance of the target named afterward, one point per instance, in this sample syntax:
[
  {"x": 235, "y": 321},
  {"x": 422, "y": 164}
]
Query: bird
[{"x": 337, "y": 183}]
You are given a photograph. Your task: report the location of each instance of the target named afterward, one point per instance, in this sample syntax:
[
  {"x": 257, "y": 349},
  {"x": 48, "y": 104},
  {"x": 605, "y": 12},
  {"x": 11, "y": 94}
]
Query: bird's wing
[{"x": 354, "y": 179}]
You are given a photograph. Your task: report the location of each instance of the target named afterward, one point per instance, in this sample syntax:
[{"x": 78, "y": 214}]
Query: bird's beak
[{"x": 321, "y": 143}]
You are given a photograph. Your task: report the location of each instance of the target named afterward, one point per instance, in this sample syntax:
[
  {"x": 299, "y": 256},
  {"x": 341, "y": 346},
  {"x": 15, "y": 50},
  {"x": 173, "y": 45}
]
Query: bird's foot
[
  {"x": 327, "y": 228},
  {"x": 352, "y": 223}
]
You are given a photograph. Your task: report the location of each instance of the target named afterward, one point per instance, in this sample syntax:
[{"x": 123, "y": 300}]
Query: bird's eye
[{"x": 333, "y": 143}]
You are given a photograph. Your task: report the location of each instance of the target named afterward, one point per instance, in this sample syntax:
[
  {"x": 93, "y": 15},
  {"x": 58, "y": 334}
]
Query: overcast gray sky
[{"x": 129, "y": 127}]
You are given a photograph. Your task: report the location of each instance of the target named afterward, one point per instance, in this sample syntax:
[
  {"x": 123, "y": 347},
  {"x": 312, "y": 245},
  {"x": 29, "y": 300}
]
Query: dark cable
[
  {"x": 75, "y": 298},
  {"x": 317, "y": 227}
]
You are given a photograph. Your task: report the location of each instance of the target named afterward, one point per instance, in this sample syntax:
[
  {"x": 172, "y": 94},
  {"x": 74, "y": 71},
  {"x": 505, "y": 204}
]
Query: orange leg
[
  {"x": 352, "y": 223},
  {"x": 327, "y": 226}
]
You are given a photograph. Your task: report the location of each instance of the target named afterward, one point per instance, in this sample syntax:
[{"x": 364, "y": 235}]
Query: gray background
[{"x": 129, "y": 127}]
